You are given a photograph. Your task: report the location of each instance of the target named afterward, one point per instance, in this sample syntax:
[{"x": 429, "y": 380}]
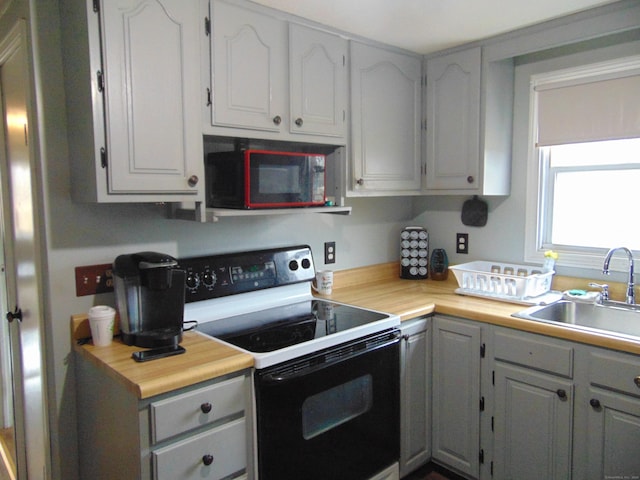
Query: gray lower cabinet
[
  {"x": 415, "y": 394},
  {"x": 456, "y": 394},
  {"x": 549, "y": 408},
  {"x": 533, "y": 429},
  {"x": 612, "y": 402},
  {"x": 533, "y": 407},
  {"x": 198, "y": 432}
]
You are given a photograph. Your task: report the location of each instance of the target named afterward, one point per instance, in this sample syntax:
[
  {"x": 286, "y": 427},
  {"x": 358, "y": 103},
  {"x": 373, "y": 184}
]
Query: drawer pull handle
[
  {"x": 637, "y": 381},
  {"x": 207, "y": 459},
  {"x": 206, "y": 407},
  {"x": 561, "y": 393},
  {"x": 594, "y": 402}
]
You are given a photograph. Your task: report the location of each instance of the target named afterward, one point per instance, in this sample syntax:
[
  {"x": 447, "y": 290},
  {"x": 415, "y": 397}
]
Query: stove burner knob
[
  {"x": 207, "y": 459},
  {"x": 192, "y": 281},
  {"x": 209, "y": 279},
  {"x": 206, "y": 407},
  {"x": 293, "y": 265},
  {"x": 306, "y": 263}
]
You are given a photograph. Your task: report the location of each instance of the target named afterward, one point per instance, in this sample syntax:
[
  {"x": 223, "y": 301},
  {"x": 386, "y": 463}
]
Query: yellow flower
[{"x": 551, "y": 254}]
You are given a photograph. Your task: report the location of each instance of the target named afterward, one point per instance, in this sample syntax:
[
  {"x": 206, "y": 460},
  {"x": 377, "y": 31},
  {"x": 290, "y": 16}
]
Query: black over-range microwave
[{"x": 265, "y": 179}]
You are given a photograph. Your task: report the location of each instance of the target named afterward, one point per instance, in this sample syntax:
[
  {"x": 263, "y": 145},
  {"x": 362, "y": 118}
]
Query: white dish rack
[{"x": 506, "y": 280}]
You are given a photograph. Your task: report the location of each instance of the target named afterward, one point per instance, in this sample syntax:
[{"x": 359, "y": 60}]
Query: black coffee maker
[{"x": 150, "y": 291}]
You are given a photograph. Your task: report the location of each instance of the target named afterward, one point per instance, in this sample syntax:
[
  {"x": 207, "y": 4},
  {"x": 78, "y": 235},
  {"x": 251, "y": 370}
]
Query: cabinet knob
[
  {"x": 594, "y": 402},
  {"x": 637, "y": 381},
  {"x": 360, "y": 181},
  {"x": 15, "y": 315},
  {"x": 561, "y": 393},
  {"x": 299, "y": 122},
  {"x": 207, "y": 459},
  {"x": 193, "y": 180},
  {"x": 206, "y": 407},
  {"x": 277, "y": 119},
  {"x": 470, "y": 179}
]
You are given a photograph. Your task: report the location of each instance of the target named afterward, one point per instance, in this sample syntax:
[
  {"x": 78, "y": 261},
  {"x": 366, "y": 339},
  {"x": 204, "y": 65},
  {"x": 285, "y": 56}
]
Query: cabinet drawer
[
  {"x": 617, "y": 372},
  {"x": 186, "y": 411},
  {"x": 534, "y": 352},
  {"x": 185, "y": 460}
]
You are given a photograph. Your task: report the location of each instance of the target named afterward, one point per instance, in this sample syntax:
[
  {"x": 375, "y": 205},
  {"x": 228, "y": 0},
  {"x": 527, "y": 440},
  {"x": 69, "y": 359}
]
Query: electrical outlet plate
[
  {"x": 329, "y": 252},
  {"x": 462, "y": 243},
  {"x": 94, "y": 279}
]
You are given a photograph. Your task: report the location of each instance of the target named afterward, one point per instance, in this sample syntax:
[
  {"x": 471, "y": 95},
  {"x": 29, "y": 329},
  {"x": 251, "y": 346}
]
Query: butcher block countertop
[
  {"x": 377, "y": 287},
  {"x": 380, "y": 287},
  {"x": 204, "y": 359}
]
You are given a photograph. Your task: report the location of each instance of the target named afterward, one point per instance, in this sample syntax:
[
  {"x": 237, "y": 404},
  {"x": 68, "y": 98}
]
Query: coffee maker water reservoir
[{"x": 150, "y": 292}]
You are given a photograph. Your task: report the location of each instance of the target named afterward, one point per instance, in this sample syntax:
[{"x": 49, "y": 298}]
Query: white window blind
[{"x": 588, "y": 106}]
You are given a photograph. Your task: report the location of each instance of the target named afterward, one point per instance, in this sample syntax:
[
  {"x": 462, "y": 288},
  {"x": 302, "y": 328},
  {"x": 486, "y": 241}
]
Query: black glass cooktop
[{"x": 280, "y": 327}]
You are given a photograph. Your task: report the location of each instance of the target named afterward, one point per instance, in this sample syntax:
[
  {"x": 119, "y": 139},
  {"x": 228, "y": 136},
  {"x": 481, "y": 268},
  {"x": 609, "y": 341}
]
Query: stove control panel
[{"x": 228, "y": 274}]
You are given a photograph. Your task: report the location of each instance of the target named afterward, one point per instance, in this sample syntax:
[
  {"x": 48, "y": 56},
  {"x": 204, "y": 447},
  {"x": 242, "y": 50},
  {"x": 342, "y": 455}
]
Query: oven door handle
[{"x": 279, "y": 376}]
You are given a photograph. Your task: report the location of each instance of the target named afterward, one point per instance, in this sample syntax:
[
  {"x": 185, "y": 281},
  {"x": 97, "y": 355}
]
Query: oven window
[
  {"x": 279, "y": 179},
  {"x": 330, "y": 408}
]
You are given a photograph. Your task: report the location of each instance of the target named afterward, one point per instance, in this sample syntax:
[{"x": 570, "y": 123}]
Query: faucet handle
[{"x": 604, "y": 294}]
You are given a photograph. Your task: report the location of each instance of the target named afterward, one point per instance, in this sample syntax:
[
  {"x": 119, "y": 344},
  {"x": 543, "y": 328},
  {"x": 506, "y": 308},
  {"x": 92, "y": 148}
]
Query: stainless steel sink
[{"x": 612, "y": 318}]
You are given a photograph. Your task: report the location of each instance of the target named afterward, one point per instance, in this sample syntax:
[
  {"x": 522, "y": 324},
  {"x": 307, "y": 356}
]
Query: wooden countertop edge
[
  {"x": 377, "y": 287},
  {"x": 205, "y": 359},
  {"x": 439, "y": 297}
]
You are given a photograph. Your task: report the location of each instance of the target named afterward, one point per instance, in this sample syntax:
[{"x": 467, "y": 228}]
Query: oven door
[{"x": 332, "y": 415}]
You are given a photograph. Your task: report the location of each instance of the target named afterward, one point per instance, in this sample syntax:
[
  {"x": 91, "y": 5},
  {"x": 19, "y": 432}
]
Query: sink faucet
[{"x": 631, "y": 296}]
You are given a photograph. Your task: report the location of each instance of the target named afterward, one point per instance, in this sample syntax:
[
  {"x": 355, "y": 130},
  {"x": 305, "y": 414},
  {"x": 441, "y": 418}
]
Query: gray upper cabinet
[
  {"x": 469, "y": 118},
  {"x": 385, "y": 110},
  {"x": 453, "y": 119},
  {"x": 317, "y": 82},
  {"x": 249, "y": 68},
  {"x": 131, "y": 136},
  {"x": 273, "y": 79}
]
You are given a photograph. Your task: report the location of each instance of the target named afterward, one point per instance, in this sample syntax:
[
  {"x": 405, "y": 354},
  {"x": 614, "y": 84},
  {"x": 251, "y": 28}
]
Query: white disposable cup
[
  {"x": 101, "y": 319},
  {"x": 324, "y": 282}
]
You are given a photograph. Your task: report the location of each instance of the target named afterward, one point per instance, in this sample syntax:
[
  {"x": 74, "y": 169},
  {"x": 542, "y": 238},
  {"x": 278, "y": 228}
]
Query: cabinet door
[
  {"x": 385, "y": 109},
  {"x": 456, "y": 395},
  {"x": 317, "y": 82},
  {"x": 453, "y": 121},
  {"x": 533, "y": 425},
  {"x": 151, "y": 82},
  {"x": 613, "y": 434},
  {"x": 249, "y": 62},
  {"x": 415, "y": 392}
]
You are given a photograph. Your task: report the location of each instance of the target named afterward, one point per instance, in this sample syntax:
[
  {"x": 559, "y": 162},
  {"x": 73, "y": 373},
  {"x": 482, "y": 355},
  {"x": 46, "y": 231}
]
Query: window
[
  {"x": 591, "y": 184},
  {"x": 585, "y": 144}
]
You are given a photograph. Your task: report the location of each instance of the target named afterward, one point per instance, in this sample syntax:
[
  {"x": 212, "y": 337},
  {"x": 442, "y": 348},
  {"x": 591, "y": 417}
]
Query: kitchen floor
[{"x": 431, "y": 471}]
